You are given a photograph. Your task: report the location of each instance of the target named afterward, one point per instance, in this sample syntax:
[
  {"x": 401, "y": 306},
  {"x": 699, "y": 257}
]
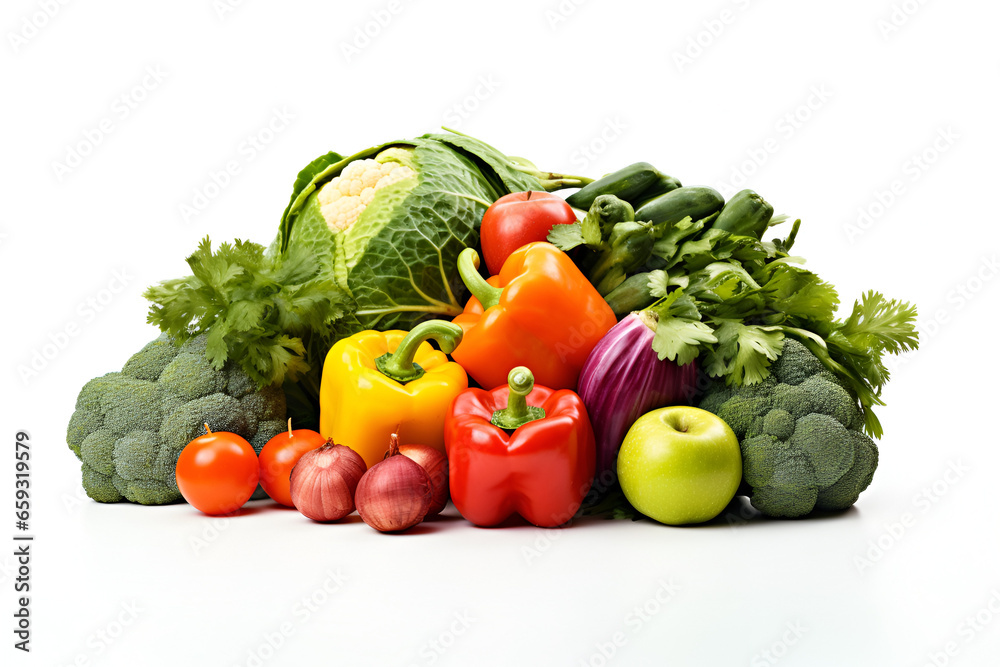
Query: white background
[{"x": 822, "y": 106}]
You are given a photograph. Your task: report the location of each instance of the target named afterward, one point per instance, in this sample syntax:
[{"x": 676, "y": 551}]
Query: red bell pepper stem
[
  {"x": 520, "y": 382},
  {"x": 399, "y": 365},
  {"x": 468, "y": 269}
]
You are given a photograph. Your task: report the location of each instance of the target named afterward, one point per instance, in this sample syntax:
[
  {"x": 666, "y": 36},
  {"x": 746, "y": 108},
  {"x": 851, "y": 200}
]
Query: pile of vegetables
[
  {"x": 359, "y": 246},
  {"x": 603, "y": 318},
  {"x": 718, "y": 292}
]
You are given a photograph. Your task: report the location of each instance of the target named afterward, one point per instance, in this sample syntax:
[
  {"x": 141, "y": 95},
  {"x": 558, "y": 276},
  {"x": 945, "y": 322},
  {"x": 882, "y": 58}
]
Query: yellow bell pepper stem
[{"x": 400, "y": 366}]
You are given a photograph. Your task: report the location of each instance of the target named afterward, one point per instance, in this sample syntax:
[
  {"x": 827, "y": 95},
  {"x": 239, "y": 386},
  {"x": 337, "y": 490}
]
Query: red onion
[
  {"x": 395, "y": 494},
  {"x": 435, "y": 464},
  {"x": 623, "y": 379},
  {"x": 323, "y": 482}
]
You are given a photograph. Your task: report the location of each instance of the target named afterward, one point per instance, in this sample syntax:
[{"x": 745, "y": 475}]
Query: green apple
[{"x": 680, "y": 465}]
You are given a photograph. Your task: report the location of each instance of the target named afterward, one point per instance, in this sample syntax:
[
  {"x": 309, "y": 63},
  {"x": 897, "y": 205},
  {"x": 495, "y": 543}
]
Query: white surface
[{"x": 555, "y": 89}]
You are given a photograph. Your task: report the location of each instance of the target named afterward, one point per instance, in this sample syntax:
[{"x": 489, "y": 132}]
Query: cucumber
[
  {"x": 697, "y": 202},
  {"x": 662, "y": 186},
  {"x": 633, "y": 294},
  {"x": 746, "y": 214},
  {"x": 627, "y": 183}
]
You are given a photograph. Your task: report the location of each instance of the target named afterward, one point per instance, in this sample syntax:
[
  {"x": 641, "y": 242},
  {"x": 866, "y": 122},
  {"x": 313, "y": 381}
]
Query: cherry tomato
[
  {"x": 280, "y": 455},
  {"x": 518, "y": 219},
  {"x": 217, "y": 472}
]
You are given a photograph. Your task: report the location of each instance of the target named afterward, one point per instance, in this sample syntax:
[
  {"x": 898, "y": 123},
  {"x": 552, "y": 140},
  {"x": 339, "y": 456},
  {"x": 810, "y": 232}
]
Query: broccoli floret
[
  {"x": 100, "y": 487},
  {"x": 190, "y": 376},
  {"x": 129, "y": 428},
  {"x": 89, "y": 398},
  {"x": 268, "y": 403},
  {"x": 149, "y": 362},
  {"x": 82, "y": 424},
  {"x": 800, "y": 436},
  {"x": 97, "y": 452},
  {"x": 220, "y": 412}
]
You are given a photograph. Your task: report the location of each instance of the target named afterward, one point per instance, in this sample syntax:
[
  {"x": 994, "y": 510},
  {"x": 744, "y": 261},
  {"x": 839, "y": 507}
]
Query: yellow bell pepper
[{"x": 375, "y": 381}]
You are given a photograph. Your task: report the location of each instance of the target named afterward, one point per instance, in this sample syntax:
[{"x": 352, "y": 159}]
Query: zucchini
[
  {"x": 662, "y": 186},
  {"x": 627, "y": 183},
  {"x": 669, "y": 209},
  {"x": 633, "y": 294},
  {"x": 746, "y": 214}
]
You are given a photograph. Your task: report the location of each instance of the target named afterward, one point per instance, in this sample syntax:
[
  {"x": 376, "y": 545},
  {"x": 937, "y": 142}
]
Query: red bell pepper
[{"x": 520, "y": 448}]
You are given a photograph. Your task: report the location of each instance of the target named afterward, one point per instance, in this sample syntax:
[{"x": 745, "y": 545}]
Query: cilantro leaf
[
  {"x": 566, "y": 237},
  {"x": 799, "y": 293},
  {"x": 680, "y": 333},
  {"x": 679, "y": 339},
  {"x": 669, "y": 240},
  {"x": 262, "y": 311},
  {"x": 745, "y": 351},
  {"x": 723, "y": 278},
  {"x": 659, "y": 283},
  {"x": 888, "y": 324}
]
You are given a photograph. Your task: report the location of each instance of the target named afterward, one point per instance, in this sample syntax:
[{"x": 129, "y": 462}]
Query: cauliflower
[
  {"x": 800, "y": 434},
  {"x": 344, "y": 198},
  {"x": 129, "y": 427}
]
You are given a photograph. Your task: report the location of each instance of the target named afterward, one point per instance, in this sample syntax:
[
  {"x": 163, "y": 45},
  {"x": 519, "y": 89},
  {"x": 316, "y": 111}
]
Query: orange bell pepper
[{"x": 540, "y": 312}]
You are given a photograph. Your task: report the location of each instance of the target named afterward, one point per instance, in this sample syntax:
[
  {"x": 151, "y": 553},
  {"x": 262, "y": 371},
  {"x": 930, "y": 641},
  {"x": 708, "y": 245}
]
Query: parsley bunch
[
  {"x": 274, "y": 316},
  {"x": 731, "y": 301}
]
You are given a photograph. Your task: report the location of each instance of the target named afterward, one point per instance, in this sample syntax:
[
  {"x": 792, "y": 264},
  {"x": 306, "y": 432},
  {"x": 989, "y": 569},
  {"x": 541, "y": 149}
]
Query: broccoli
[
  {"x": 129, "y": 427},
  {"x": 800, "y": 434}
]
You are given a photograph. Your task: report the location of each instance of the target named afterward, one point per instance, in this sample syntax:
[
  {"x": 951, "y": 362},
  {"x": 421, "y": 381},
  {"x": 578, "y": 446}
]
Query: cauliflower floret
[{"x": 343, "y": 199}]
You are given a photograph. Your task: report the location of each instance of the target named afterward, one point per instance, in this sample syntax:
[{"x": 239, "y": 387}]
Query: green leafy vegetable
[
  {"x": 745, "y": 351},
  {"x": 398, "y": 258},
  {"x": 272, "y": 316},
  {"x": 679, "y": 329},
  {"x": 566, "y": 237},
  {"x": 367, "y": 241},
  {"x": 731, "y": 300}
]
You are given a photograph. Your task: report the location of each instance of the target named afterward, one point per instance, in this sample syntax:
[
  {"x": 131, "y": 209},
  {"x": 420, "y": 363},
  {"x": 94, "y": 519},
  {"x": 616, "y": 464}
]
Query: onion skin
[
  {"x": 622, "y": 380},
  {"x": 323, "y": 482},
  {"x": 394, "y": 494},
  {"x": 435, "y": 464}
]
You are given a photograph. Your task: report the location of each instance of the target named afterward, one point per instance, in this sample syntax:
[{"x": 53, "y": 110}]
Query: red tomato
[
  {"x": 217, "y": 472},
  {"x": 280, "y": 455},
  {"x": 518, "y": 219}
]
